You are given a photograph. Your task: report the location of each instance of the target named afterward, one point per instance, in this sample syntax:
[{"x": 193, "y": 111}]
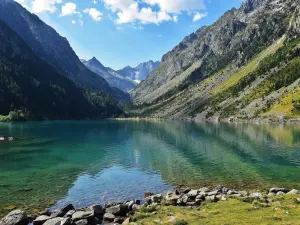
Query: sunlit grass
[{"x": 251, "y": 66}]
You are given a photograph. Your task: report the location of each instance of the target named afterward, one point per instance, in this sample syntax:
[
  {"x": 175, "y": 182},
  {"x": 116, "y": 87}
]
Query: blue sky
[{"x": 127, "y": 32}]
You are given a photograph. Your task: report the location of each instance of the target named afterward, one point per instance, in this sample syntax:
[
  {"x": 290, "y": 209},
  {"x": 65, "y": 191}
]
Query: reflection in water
[{"x": 96, "y": 162}]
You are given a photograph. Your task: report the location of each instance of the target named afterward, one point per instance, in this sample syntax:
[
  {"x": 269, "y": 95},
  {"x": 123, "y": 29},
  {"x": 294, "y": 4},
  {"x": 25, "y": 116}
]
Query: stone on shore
[
  {"x": 67, "y": 208},
  {"x": 275, "y": 190},
  {"x": 82, "y": 222},
  {"x": 118, "y": 210},
  {"x": 192, "y": 193},
  {"x": 97, "y": 210},
  {"x": 58, "y": 221},
  {"x": 127, "y": 221},
  {"x": 108, "y": 217},
  {"x": 16, "y": 217},
  {"x": 82, "y": 215},
  {"x": 294, "y": 192},
  {"x": 41, "y": 220}
]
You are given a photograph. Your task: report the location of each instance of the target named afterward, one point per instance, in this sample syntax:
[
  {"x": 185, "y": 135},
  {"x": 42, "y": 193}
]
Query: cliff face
[{"x": 254, "y": 31}]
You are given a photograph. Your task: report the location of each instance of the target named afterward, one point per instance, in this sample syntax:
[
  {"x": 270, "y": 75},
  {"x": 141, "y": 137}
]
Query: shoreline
[{"x": 133, "y": 211}]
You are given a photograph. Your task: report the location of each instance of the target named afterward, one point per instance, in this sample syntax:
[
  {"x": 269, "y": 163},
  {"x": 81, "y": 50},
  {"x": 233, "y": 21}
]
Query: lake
[{"x": 87, "y": 162}]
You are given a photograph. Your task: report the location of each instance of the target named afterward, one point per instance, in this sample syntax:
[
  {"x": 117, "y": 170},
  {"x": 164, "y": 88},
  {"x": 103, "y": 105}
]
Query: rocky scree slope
[
  {"x": 231, "y": 69},
  {"x": 51, "y": 47}
]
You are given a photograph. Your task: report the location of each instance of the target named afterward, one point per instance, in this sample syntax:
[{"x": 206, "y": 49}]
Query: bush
[{"x": 181, "y": 222}]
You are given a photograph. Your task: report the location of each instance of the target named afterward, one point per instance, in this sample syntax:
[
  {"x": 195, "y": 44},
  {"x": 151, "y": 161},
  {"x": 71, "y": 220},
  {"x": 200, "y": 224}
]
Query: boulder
[
  {"x": 211, "y": 198},
  {"x": 256, "y": 195},
  {"x": 79, "y": 215},
  {"x": 135, "y": 207},
  {"x": 58, "y": 221},
  {"x": 275, "y": 190},
  {"x": 67, "y": 208},
  {"x": 280, "y": 193},
  {"x": 41, "y": 220},
  {"x": 57, "y": 213},
  {"x": 232, "y": 192},
  {"x": 183, "y": 200},
  {"x": 108, "y": 217},
  {"x": 193, "y": 193},
  {"x": 118, "y": 220},
  {"x": 204, "y": 189},
  {"x": 293, "y": 192},
  {"x": 82, "y": 222},
  {"x": 215, "y": 192},
  {"x": 154, "y": 199},
  {"x": 118, "y": 210},
  {"x": 172, "y": 198},
  {"x": 243, "y": 193},
  {"x": 97, "y": 210},
  {"x": 70, "y": 213},
  {"x": 16, "y": 217}
]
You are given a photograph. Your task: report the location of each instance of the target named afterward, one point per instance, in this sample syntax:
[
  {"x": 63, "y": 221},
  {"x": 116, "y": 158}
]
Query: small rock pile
[{"x": 119, "y": 213}]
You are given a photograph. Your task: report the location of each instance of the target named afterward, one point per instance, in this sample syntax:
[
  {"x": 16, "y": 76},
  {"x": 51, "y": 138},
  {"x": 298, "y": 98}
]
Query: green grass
[
  {"x": 251, "y": 66},
  {"x": 283, "y": 210},
  {"x": 285, "y": 106}
]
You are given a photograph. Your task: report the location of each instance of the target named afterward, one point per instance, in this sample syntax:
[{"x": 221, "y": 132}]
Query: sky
[{"x": 127, "y": 32}]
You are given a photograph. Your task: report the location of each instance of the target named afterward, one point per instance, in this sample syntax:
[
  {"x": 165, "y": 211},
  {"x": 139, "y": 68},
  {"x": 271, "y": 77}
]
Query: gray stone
[
  {"x": 298, "y": 200},
  {"x": 293, "y": 192},
  {"x": 135, "y": 207},
  {"x": 57, "y": 213},
  {"x": 211, "y": 198},
  {"x": 280, "y": 193},
  {"x": 256, "y": 195},
  {"x": 172, "y": 198},
  {"x": 275, "y": 190},
  {"x": 82, "y": 222},
  {"x": 108, "y": 217},
  {"x": 204, "y": 189},
  {"x": 118, "y": 220},
  {"x": 232, "y": 192},
  {"x": 70, "y": 213},
  {"x": 118, "y": 210},
  {"x": 215, "y": 192},
  {"x": 67, "y": 208},
  {"x": 223, "y": 198},
  {"x": 97, "y": 210},
  {"x": 16, "y": 217},
  {"x": 243, "y": 193},
  {"x": 183, "y": 200},
  {"x": 154, "y": 198},
  {"x": 58, "y": 221},
  {"x": 79, "y": 215},
  {"x": 193, "y": 193},
  {"x": 40, "y": 220}
]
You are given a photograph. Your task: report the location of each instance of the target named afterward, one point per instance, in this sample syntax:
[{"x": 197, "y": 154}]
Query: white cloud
[
  {"x": 41, "y": 6},
  {"x": 95, "y": 1},
  {"x": 73, "y": 22},
  {"x": 94, "y": 14},
  {"x": 68, "y": 9},
  {"x": 81, "y": 23},
  {"x": 175, "y": 18},
  {"x": 176, "y": 6},
  {"x": 199, "y": 16}
]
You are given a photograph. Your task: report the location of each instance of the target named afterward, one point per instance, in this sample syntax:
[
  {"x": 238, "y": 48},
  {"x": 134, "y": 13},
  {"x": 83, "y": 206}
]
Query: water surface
[{"x": 102, "y": 161}]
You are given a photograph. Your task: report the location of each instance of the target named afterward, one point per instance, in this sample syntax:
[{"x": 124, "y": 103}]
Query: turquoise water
[{"x": 102, "y": 161}]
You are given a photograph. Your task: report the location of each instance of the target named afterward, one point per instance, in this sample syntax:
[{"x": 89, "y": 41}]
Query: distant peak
[{"x": 95, "y": 62}]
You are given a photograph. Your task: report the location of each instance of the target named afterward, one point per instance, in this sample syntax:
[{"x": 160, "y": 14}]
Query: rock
[
  {"x": 215, "y": 192},
  {"x": 256, "y": 195},
  {"x": 138, "y": 202},
  {"x": 40, "y": 220},
  {"x": 154, "y": 199},
  {"x": 79, "y": 215},
  {"x": 211, "y": 198},
  {"x": 293, "y": 192},
  {"x": 280, "y": 193},
  {"x": 118, "y": 210},
  {"x": 204, "y": 189},
  {"x": 58, "y": 221},
  {"x": 70, "y": 213},
  {"x": 57, "y": 213},
  {"x": 223, "y": 198},
  {"x": 232, "y": 192},
  {"x": 172, "y": 198},
  {"x": 16, "y": 217},
  {"x": 127, "y": 221},
  {"x": 298, "y": 200},
  {"x": 271, "y": 194},
  {"x": 243, "y": 193},
  {"x": 135, "y": 207},
  {"x": 118, "y": 220},
  {"x": 129, "y": 204},
  {"x": 82, "y": 222},
  {"x": 275, "y": 190},
  {"x": 97, "y": 210},
  {"x": 46, "y": 212},
  {"x": 147, "y": 194},
  {"x": 192, "y": 193},
  {"x": 67, "y": 208},
  {"x": 183, "y": 200},
  {"x": 108, "y": 217}
]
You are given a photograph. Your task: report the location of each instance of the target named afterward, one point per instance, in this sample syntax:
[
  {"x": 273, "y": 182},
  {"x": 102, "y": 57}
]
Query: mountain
[
  {"x": 244, "y": 66},
  {"x": 32, "y": 89},
  {"x": 51, "y": 47},
  {"x": 111, "y": 76},
  {"x": 140, "y": 72}
]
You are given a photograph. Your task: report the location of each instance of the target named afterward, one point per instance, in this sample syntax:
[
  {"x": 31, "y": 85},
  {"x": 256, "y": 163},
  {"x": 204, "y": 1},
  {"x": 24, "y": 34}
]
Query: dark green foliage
[
  {"x": 32, "y": 89},
  {"x": 181, "y": 222}
]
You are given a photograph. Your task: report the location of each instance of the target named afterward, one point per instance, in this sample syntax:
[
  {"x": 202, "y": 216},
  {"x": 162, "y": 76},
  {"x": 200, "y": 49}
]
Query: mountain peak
[
  {"x": 95, "y": 62},
  {"x": 251, "y": 5}
]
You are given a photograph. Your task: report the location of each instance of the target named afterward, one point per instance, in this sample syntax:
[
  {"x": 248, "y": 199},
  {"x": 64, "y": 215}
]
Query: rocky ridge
[{"x": 129, "y": 211}]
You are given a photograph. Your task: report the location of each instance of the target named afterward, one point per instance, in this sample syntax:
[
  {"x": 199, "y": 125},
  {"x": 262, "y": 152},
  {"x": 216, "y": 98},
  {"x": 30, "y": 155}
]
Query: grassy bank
[{"x": 282, "y": 210}]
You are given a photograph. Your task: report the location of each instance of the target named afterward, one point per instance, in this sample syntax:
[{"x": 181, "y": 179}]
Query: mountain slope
[
  {"x": 111, "y": 76},
  {"x": 204, "y": 76},
  {"x": 50, "y": 46},
  {"x": 32, "y": 89},
  {"x": 140, "y": 72}
]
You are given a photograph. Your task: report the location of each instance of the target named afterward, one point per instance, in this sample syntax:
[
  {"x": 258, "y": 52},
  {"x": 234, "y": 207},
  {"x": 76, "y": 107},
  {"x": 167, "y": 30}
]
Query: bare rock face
[
  {"x": 58, "y": 221},
  {"x": 16, "y": 217}
]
